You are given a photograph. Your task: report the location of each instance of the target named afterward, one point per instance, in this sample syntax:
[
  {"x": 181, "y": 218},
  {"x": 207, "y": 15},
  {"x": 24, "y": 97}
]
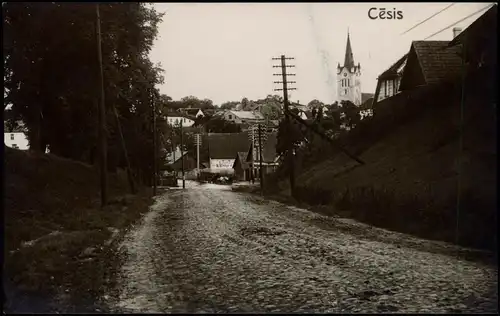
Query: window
[
  {"x": 348, "y": 82},
  {"x": 11, "y": 136},
  {"x": 230, "y": 116},
  {"x": 15, "y": 146},
  {"x": 345, "y": 91}
]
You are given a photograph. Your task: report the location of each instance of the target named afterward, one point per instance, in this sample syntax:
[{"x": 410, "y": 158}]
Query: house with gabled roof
[
  {"x": 175, "y": 119},
  {"x": 193, "y": 112},
  {"x": 388, "y": 82},
  {"x": 219, "y": 150},
  {"x": 243, "y": 117},
  {"x": 430, "y": 62},
  {"x": 243, "y": 160}
]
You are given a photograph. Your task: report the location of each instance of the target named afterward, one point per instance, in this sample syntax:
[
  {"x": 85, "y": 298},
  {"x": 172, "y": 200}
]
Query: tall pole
[
  {"x": 125, "y": 154},
  {"x": 261, "y": 173},
  {"x": 285, "y": 89},
  {"x": 182, "y": 159},
  {"x": 155, "y": 174},
  {"x": 103, "y": 155},
  {"x": 253, "y": 154},
  {"x": 198, "y": 141}
]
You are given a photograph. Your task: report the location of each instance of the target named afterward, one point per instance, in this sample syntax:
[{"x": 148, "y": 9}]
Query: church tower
[{"x": 349, "y": 77}]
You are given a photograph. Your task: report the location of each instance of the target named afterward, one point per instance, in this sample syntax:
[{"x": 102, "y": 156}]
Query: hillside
[
  {"x": 54, "y": 224},
  {"x": 409, "y": 182}
]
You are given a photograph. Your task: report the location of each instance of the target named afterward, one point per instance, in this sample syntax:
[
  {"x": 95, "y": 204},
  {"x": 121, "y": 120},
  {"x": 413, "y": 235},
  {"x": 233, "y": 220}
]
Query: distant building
[
  {"x": 177, "y": 118},
  {"x": 193, "y": 112},
  {"x": 349, "y": 77},
  {"x": 243, "y": 160},
  {"x": 243, "y": 117},
  {"x": 221, "y": 149},
  {"x": 16, "y": 137}
]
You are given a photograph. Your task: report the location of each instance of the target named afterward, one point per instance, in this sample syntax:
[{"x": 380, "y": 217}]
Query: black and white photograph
[{"x": 250, "y": 157}]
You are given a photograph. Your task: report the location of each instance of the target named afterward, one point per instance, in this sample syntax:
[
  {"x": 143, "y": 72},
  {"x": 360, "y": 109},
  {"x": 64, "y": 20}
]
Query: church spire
[{"x": 349, "y": 59}]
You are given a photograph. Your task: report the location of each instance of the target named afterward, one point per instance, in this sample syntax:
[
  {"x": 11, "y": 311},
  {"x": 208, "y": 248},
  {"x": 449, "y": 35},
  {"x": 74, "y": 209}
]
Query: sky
[{"x": 223, "y": 51}]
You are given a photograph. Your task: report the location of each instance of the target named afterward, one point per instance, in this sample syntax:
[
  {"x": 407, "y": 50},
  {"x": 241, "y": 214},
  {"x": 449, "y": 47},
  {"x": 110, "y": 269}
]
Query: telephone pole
[
  {"x": 197, "y": 139},
  {"x": 251, "y": 136},
  {"x": 103, "y": 155},
  {"x": 285, "y": 90},
  {"x": 182, "y": 159},
  {"x": 153, "y": 107},
  {"x": 261, "y": 173}
]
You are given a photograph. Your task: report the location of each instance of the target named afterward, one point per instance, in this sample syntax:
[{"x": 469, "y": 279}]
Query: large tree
[{"x": 51, "y": 74}]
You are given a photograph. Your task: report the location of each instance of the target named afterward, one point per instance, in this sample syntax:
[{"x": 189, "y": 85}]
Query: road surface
[{"x": 208, "y": 249}]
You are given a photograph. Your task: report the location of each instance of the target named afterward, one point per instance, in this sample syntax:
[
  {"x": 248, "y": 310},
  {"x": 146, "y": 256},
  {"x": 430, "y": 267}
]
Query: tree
[
  {"x": 42, "y": 41},
  {"x": 295, "y": 135},
  {"x": 351, "y": 111},
  {"x": 244, "y": 104},
  {"x": 230, "y": 105},
  {"x": 220, "y": 125},
  {"x": 194, "y": 102},
  {"x": 315, "y": 104}
]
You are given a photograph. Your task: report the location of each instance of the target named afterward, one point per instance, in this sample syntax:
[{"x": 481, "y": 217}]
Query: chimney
[{"x": 456, "y": 31}]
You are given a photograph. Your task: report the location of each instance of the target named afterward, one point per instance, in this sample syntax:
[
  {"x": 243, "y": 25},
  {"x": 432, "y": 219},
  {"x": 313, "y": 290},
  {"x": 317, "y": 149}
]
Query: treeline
[
  {"x": 334, "y": 120},
  {"x": 51, "y": 77}
]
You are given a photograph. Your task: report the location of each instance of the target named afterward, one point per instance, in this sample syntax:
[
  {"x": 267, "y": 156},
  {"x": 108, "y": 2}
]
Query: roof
[
  {"x": 226, "y": 145},
  {"x": 437, "y": 60},
  {"x": 349, "y": 58},
  {"x": 177, "y": 114},
  {"x": 395, "y": 68},
  {"x": 241, "y": 156},
  {"x": 366, "y": 96},
  {"x": 249, "y": 115},
  {"x": 480, "y": 27},
  {"x": 177, "y": 154},
  {"x": 192, "y": 111},
  {"x": 367, "y": 104},
  {"x": 268, "y": 148}
]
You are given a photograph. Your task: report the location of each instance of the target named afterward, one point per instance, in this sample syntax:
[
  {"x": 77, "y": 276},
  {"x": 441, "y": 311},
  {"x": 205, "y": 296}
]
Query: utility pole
[
  {"x": 153, "y": 107},
  {"x": 285, "y": 90},
  {"x": 182, "y": 159},
  {"x": 198, "y": 143},
  {"x": 252, "y": 158},
  {"x": 261, "y": 173},
  {"x": 125, "y": 154},
  {"x": 103, "y": 155}
]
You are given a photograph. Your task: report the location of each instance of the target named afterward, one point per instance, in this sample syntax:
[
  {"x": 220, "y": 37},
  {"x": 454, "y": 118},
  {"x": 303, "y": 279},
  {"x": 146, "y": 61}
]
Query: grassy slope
[
  {"x": 409, "y": 182},
  {"x": 46, "y": 193}
]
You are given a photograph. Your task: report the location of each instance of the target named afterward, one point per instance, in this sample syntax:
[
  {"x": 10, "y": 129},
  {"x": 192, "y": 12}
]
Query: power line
[
  {"x": 444, "y": 29},
  {"x": 428, "y": 18}
]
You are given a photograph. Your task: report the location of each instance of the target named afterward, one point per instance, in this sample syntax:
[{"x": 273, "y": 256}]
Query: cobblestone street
[{"x": 208, "y": 249}]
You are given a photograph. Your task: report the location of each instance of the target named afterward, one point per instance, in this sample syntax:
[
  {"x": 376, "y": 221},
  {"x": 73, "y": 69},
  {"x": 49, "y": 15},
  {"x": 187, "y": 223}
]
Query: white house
[
  {"x": 16, "y": 139},
  {"x": 177, "y": 119}
]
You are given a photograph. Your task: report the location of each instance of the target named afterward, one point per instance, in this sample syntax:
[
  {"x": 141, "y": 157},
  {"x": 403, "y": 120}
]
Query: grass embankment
[
  {"x": 55, "y": 231},
  {"x": 410, "y": 179}
]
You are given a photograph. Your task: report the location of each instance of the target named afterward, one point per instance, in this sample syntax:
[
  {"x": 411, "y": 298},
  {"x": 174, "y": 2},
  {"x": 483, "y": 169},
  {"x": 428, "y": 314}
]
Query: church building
[{"x": 349, "y": 78}]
